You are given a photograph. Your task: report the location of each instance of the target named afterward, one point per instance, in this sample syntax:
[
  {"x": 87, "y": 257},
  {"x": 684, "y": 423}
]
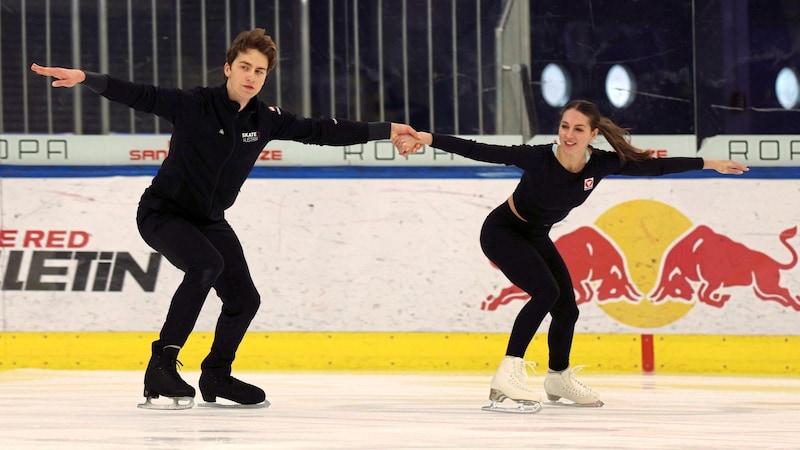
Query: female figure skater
[{"x": 515, "y": 236}]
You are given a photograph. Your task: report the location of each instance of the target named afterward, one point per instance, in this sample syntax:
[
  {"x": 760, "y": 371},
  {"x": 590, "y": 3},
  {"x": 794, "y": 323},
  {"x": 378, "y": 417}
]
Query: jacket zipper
[{"x": 221, "y": 167}]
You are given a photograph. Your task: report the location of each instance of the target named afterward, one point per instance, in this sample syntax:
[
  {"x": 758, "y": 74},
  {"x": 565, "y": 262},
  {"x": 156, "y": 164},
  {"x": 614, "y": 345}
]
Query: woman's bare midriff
[{"x": 514, "y": 208}]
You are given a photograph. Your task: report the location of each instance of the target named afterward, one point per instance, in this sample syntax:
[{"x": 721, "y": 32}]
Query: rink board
[
  {"x": 609, "y": 353},
  {"x": 383, "y": 270}
]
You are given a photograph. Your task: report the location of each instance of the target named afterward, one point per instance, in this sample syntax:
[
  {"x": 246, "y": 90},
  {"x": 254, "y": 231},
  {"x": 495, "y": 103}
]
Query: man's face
[{"x": 246, "y": 76}]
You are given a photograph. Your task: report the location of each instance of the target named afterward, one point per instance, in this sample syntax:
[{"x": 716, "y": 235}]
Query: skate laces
[
  {"x": 173, "y": 371},
  {"x": 573, "y": 384},
  {"x": 520, "y": 372}
]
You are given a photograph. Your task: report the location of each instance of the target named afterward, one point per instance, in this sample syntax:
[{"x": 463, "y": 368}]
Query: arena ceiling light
[
  {"x": 620, "y": 86},
  {"x": 556, "y": 85},
  {"x": 787, "y": 88}
]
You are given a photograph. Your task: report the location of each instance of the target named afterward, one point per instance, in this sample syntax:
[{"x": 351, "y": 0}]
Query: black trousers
[
  {"x": 526, "y": 255},
  {"x": 210, "y": 256}
]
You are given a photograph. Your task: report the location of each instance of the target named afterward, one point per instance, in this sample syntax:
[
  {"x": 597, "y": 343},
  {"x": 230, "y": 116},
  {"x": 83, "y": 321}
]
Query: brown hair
[
  {"x": 254, "y": 39},
  {"x": 618, "y": 137}
]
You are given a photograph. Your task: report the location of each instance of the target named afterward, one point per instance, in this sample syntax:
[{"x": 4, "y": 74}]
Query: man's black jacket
[{"x": 214, "y": 146}]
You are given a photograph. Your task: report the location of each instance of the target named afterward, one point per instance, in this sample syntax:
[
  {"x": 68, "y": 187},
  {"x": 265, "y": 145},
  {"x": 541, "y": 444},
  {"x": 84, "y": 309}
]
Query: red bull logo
[
  {"x": 646, "y": 265},
  {"x": 595, "y": 264},
  {"x": 702, "y": 263}
]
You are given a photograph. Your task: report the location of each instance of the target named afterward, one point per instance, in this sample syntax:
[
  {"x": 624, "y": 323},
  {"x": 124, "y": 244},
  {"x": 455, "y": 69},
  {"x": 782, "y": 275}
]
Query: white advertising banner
[
  {"x": 755, "y": 150},
  {"x": 683, "y": 256},
  {"x": 150, "y": 150}
]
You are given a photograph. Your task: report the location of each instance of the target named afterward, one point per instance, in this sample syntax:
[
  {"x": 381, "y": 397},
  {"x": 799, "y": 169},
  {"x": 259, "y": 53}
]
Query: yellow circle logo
[{"x": 643, "y": 230}]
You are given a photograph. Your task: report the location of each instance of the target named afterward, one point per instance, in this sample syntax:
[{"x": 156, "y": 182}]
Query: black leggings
[
  {"x": 210, "y": 255},
  {"x": 527, "y": 256}
]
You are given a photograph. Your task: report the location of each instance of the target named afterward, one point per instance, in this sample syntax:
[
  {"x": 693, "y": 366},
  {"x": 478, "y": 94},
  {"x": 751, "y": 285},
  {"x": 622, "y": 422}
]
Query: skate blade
[
  {"x": 264, "y": 404},
  {"x": 178, "y": 403},
  {"x": 523, "y": 407},
  {"x": 596, "y": 404}
]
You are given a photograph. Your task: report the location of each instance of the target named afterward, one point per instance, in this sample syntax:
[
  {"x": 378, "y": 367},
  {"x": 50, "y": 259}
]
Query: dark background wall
[{"x": 702, "y": 67}]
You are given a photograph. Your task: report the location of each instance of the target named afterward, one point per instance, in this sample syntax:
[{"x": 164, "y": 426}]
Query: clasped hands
[
  {"x": 407, "y": 141},
  {"x": 406, "y": 144}
]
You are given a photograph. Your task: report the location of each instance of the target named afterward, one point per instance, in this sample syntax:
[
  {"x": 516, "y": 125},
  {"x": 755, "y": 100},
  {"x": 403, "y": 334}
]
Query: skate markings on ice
[
  {"x": 224, "y": 405},
  {"x": 176, "y": 403},
  {"x": 95, "y": 410}
]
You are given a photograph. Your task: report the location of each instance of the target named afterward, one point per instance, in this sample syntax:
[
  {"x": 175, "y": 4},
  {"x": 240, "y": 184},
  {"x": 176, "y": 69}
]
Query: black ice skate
[
  {"x": 161, "y": 379},
  {"x": 244, "y": 395}
]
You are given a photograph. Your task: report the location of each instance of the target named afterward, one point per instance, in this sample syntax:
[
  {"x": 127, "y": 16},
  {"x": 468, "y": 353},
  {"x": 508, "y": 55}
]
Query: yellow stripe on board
[
  {"x": 778, "y": 355},
  {"x": 604, "y": 353}
]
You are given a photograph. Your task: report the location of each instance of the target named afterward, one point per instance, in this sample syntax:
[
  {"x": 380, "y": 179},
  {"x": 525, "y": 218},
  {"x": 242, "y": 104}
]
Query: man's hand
[
  {"x": 65, "y": 77},
  {"x": 401, "y": 129}
]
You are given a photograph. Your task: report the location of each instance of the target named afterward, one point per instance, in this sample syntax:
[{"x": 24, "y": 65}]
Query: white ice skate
[
  {"x": 563, "y": 385},
  {"x": 177, "y": 403},
  {"x": 509, "y": 383}
]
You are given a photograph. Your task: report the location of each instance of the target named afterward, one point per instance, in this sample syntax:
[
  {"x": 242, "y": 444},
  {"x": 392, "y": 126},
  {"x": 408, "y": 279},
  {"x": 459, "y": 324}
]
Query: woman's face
[{"x": 575, "y": 132}]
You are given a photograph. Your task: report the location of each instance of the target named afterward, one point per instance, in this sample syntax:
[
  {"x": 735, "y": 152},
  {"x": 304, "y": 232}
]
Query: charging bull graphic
[
  {"x": 596, "y": 267},
  {"x": 712, "y": 262}
]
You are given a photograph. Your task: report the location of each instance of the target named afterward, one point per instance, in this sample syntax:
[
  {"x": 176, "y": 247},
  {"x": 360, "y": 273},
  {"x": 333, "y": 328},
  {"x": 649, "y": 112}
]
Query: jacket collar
[{"x": 233, "y": 106}]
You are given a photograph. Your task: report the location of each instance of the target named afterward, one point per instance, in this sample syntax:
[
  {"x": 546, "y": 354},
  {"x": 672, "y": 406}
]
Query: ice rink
[{"x": 336, "y": 410}]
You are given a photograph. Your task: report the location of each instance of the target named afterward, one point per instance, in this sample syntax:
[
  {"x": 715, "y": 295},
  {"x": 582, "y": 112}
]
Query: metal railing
[
  {"x": 514, "y": 112},
  {"x": 423, "y": 62}
]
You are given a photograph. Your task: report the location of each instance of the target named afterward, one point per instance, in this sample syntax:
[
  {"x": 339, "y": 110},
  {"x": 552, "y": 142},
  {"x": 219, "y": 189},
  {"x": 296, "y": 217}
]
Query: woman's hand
[{"x": 725, "y": 166}]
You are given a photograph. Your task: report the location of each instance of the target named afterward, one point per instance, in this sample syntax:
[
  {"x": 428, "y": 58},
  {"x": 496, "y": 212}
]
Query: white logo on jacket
[
  {"x": 588, "y": 184},
  {"x": 249, "y": 136}
]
